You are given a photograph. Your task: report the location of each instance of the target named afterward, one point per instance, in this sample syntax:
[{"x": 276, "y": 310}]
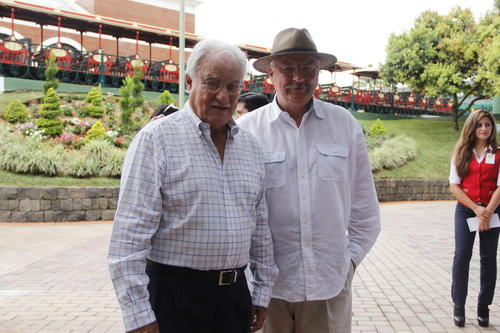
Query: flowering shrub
[
  {"x": 78, "y": 126},
  {"x": 69, "y": 140},
  {"x": 31, "y": 130},
  {"x": 119, "y": 142}
]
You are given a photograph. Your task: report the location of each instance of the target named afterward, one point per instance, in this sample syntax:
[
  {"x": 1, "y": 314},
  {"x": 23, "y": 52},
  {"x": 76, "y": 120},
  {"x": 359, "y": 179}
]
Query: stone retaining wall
[
  {"x": 412, "y": 189},
  {"x": 48, "y": 204},
  {"x": 53, "y": 204}
]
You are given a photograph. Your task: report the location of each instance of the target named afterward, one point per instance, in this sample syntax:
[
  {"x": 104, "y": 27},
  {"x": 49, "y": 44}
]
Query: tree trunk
[{"x": 455, "y": 117}]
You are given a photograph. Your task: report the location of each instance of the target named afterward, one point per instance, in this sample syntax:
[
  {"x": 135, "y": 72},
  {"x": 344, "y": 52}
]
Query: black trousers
[
  {"x": 183, "y": 306},
  {"x": 464, "y": 243}
]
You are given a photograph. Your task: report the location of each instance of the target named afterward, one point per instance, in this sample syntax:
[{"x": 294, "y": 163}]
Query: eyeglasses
[
  {"x": 308, "y": 70},
  {"x": 214, "y": 86}
]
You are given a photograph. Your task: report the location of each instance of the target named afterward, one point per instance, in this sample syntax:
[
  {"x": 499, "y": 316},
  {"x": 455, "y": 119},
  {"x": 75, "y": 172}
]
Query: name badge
[{"x": 490, "y": 158}]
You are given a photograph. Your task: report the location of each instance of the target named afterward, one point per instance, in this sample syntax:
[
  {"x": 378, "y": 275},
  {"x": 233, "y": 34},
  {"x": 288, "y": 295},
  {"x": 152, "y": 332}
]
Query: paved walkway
[{"x": 53, "y": 277}]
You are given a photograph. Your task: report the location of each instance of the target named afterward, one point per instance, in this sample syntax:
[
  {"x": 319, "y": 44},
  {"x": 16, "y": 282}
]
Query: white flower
[{"x": 112, "y": 134}]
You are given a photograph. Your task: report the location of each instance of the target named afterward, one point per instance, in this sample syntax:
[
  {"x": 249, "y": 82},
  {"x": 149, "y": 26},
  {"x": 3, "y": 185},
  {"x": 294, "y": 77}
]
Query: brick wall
[{"x": 53, "y": 204}]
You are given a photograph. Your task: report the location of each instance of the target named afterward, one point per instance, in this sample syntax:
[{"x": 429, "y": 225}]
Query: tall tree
[{"x": 446, "y": 55}]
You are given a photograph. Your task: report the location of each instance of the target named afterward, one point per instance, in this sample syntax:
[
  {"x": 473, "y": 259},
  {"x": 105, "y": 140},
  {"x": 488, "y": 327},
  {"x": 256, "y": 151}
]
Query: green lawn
[
  {"x": 13, "y": 179},
  {"x": 436, "y": 139}
]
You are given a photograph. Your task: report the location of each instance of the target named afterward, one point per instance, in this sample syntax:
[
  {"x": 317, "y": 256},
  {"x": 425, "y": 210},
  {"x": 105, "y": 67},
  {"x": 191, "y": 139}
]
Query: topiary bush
[
  {"x": 94, "y": 101},
  {"x": 50, "y": 74},
  {"x": 96, "y": 132},
  {"x": 166, "y": 97},
  {"x": 51, "y": 107},
  {"x": 50, "y": 127},
  {"x": 16, "y": 112},
  {"x": 377, "y": 129}
]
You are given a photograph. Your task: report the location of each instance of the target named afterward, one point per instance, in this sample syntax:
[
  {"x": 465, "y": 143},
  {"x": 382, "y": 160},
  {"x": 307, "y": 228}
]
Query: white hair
[{"x": 214, "y": 45}]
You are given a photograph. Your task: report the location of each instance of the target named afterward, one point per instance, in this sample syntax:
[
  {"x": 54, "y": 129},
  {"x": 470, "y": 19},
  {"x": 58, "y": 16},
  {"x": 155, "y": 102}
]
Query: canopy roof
[{"x": 119, "y": 28}]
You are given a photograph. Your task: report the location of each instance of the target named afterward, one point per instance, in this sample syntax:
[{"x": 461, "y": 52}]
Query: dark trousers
[
  {"x": 184, "y": 306},
  {"x": 464, "y": 243}
]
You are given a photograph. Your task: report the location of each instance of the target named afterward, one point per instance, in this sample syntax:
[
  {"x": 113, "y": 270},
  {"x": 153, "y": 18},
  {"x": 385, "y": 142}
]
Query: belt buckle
[{"x": 221, "y": 277}]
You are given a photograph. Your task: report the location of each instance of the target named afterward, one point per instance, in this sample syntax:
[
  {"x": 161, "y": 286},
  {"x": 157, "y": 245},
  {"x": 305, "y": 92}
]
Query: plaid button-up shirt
[{"x": 181, "y": 205}]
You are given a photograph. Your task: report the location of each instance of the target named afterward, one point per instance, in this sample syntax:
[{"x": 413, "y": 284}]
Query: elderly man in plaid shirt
[{"x": 192, "y": 212}]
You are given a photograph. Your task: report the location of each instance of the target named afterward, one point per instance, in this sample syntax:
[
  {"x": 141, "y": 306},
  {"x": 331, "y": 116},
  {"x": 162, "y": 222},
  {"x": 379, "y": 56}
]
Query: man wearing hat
[{"x": 323, "y": 209}]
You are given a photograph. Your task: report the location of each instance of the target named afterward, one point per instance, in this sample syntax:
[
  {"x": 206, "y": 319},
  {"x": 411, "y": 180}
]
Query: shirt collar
[
  {"x": 314, "y": 108},
  {"x": 203, "y": 126}
]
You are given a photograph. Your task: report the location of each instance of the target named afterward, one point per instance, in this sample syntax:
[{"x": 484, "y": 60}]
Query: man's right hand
[{"x": 150, "y": 328}]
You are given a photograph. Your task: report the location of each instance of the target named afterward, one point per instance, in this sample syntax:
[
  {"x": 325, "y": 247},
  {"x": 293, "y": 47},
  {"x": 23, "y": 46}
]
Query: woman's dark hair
[
  {"x": 253, "y": 100},
  {"x": 164, "y": 109},
  {"x": 464, "y": 146}
]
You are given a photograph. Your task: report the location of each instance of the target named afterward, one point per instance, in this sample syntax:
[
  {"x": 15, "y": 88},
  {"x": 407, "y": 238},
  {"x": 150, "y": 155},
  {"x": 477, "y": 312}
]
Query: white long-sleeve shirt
[
  {"x": 181, "y": 205},
  {"x": 323, "y": 208}
]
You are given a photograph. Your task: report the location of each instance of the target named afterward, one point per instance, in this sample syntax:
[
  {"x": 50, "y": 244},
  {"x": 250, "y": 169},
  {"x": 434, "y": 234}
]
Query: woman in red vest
[{"x": 475, "y": 181}]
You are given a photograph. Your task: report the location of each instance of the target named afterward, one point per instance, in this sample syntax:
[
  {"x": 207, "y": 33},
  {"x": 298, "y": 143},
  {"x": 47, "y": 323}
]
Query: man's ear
[
  {"x": 189, "y": 82},
  {"x": 270, "y": 72}
]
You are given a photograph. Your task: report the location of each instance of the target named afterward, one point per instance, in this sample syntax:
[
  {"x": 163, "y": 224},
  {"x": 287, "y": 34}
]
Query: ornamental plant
[
  {"x": 69, "y": 140},
  {"x": 94, "y": 106},
  {"x": 126, "y": 105},
  {"x": 16, "y": 112},
  {"x": 51, "y": 109},
  {"x": 96, "y": 132},
  {"x": 377, "y": 129},
  {"x": 137, "y": 88},
  {"x": 31, "y": 130},
  {"x": 166, "y": 98},
  {"x": 50, "y": 74},
  {"x": 50, "y": 127}
]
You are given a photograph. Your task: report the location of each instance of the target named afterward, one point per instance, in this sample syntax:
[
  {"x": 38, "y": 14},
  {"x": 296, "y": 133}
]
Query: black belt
[{"x": 224, "y": 277}]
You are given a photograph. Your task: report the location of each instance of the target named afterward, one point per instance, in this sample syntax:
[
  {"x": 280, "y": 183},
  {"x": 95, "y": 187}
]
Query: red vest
[{"x": 481, "y": 179}]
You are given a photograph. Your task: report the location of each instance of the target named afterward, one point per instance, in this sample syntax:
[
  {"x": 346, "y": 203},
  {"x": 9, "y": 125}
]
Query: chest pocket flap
[
  {"x": 274, "y": 156},
  {"x": 333, "y": 150},
  {"x": 275, "y": 168},
  {"x": 332, "y": 161}
]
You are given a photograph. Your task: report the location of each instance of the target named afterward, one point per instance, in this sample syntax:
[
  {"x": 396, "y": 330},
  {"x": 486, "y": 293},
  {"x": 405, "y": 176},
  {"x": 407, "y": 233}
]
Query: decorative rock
[
  {"x": 92, "y": 215},
  {"x": 29, "y": 205},
  {"x": 5, "y": 216},
  {"x": 8, "y": 192},
  {"x": 108, "y": 214},
  {"x": 67, "y": 204},
  {"x": 76, "y": 192},
  {"x": 34, "y": 216}
]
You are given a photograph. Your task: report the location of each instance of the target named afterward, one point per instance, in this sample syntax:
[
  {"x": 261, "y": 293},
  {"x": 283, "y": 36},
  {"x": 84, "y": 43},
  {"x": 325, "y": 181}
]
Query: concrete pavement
[{"x": 54, "y": 278}]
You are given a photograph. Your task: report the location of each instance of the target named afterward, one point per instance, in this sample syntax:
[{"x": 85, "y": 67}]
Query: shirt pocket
[
  {"x": 275, "y": 168},
  {"x": 332, "y": 161}
]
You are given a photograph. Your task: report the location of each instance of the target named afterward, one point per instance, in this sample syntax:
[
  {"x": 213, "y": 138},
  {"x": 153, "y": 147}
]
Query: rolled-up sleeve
[
  {"x": 137, "y": 219},
  {"x": 364, "y": 224}
]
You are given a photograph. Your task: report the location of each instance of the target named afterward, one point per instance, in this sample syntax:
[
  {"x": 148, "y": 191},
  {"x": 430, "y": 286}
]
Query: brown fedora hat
[{"x": 293, "y": 41}]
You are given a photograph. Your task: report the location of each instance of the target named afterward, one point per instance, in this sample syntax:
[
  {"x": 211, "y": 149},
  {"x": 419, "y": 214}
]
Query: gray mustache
[{"x": 299, "y": 86}]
